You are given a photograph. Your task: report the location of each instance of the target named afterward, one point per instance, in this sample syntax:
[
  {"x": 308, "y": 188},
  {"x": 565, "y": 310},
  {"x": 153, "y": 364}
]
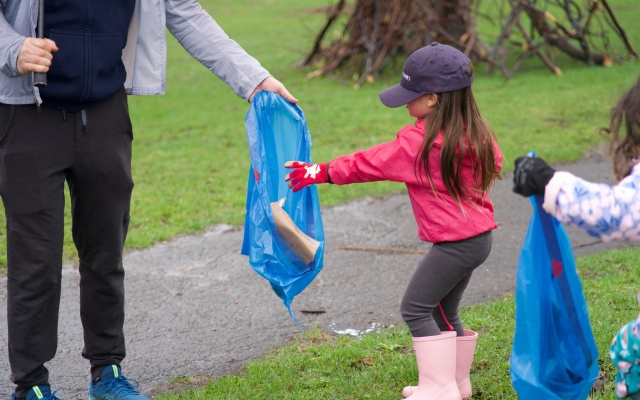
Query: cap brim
[{"x": 397, "y": 96}]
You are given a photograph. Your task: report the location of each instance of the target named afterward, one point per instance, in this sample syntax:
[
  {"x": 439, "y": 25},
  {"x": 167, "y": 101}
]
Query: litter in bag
[
  {"x": 554, "y": 355},
  {"x": 299, "y": 242},
  {"x": 283, "y": 232}
]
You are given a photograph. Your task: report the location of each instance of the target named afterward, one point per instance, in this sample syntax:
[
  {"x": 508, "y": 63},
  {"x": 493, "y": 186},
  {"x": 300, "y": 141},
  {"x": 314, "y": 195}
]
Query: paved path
[{"x": 195, "y": 306}]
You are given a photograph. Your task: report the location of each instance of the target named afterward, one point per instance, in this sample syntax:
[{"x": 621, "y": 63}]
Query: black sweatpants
[
  {"x": 39, "y": 152},
  {"x": 432, "y": 299}
]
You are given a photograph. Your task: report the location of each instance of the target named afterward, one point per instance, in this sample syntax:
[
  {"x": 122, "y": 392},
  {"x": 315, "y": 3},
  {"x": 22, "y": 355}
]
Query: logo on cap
[{"x": 405, "y": 76}]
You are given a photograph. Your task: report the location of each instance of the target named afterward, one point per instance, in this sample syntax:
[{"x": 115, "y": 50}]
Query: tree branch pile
[
  {"x": 377, "y": 31},
  {"x": 583, "y": 34}
]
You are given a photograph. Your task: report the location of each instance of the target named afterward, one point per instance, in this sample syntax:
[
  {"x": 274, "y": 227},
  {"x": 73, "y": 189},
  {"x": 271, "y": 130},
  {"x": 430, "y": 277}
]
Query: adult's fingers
[
  {"x": 282, "y": 91},
  {"x": 271, "y": 84},
  {"x": 35, "y": 55}
]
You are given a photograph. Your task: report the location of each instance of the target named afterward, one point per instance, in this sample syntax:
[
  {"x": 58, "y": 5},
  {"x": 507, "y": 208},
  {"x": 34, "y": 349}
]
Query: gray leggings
[{"x": 430, "y": 303}]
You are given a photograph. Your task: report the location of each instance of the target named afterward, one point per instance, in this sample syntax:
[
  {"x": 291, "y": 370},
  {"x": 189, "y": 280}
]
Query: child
[
  {"x": 625, "y": 354},
  {"x": 608, "y": 212},
  {"x": 448, "y": 159}
]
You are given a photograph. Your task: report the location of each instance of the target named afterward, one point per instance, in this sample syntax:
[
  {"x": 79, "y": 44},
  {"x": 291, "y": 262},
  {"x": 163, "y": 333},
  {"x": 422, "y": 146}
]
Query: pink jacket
[{"x": 439, "y": 218}]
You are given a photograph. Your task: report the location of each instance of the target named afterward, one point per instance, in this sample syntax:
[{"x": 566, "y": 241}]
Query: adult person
[{"x": 77, "y": 130}]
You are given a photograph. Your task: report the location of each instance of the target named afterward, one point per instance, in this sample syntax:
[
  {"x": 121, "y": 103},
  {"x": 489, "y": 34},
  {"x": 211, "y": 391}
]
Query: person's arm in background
[
  {"x": 608, "y": 212},
  {"x": 205, "y": 41}
]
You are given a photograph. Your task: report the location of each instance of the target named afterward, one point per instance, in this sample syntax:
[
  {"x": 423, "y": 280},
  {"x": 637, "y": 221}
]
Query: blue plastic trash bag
[
  {"x": 554, "y": 355},
  {"x": 289, "y": 250}
]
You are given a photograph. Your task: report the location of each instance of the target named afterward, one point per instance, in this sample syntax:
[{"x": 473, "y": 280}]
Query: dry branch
[{"x": 380, "y": 30}]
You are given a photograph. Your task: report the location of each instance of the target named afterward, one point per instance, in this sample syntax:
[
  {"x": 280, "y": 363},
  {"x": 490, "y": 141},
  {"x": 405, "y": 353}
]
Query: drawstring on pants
[
  {"x": 83, "y": 115},
  {"x": 445, "y": 318}
]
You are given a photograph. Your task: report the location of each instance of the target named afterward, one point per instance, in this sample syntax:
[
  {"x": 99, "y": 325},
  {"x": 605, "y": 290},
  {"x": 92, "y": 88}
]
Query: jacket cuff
[
  {"x": 13, "y": 51},
  {"x": 553, "y": 188},
  {"x": 256, "y": 81}
]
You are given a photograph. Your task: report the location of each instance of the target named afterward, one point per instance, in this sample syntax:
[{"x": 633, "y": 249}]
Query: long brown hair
[
  {"x": 465, "y": 131},
  {"x": 627, "y": 148}
]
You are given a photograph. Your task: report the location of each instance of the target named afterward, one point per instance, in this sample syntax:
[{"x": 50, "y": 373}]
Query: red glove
[{"x": 304, "y": 174}]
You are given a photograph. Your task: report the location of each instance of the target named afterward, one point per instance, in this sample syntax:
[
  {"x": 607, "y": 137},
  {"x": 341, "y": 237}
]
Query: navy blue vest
[{"x": 90, "y": 35}]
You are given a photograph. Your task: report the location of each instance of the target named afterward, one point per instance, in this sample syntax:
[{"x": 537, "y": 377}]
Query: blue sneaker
[
  {"x": 42, "y": 392},
  {"x": 112, "y": 385}
]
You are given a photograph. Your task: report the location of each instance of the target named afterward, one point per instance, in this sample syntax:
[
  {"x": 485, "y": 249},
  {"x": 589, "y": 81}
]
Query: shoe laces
[{"x": 121, "y": 386}]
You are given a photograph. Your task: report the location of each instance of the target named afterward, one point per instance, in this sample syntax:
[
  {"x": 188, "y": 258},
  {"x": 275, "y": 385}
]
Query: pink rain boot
[
  {"x": 436, "y": 358},
  {"x": 465, "y": 350}
]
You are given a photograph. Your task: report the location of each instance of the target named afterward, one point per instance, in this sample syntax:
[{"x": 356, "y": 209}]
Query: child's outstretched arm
[
  {"x": 304, "y": 174},
  {"x": 608, "y": 212}
]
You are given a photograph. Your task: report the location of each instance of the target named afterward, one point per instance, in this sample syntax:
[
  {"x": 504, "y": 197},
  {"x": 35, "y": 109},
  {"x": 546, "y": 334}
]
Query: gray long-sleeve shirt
[{"x": 144, "y": 56}]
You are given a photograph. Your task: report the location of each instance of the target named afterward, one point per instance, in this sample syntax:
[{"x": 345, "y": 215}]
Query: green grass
[{"x": 378, "y": 365}]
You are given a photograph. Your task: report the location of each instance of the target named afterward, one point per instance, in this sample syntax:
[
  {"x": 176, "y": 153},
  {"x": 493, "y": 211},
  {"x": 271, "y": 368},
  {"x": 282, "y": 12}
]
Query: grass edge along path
[{"x": 317, "y": 365}]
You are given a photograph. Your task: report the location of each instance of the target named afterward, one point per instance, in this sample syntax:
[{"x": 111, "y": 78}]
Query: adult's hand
[
  {"x": 271, "y": 84},
  {"x": 35, "y": 55}
]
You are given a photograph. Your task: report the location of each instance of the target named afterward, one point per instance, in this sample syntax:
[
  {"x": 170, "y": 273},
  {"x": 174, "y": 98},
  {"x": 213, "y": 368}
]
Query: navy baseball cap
[{"x": 435, "y": 68}]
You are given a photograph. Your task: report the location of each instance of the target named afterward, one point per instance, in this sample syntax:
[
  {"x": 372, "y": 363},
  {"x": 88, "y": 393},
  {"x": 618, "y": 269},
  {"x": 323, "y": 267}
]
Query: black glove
[{"x": 531, "y": 176}]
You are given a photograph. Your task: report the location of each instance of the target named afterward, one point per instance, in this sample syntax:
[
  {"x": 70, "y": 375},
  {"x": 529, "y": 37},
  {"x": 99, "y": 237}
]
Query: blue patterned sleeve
[{"x": 607, "y": 212}]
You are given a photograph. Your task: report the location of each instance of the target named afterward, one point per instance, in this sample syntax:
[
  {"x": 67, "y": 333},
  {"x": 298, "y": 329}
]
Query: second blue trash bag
[
  {"x": 277, "y": 132},
  {"x": 554, "y": 356}
]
